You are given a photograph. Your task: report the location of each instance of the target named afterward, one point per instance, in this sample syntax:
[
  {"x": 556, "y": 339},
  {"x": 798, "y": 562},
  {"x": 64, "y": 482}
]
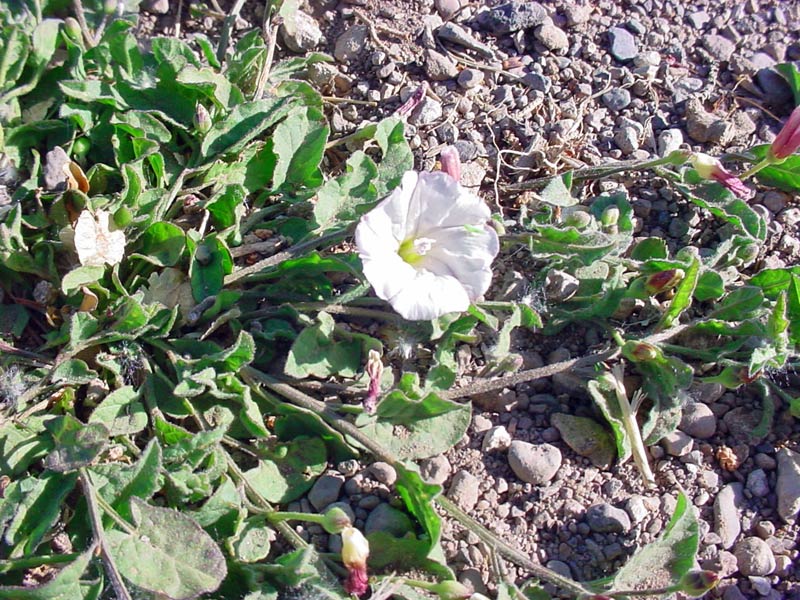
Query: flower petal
[
  {"x": 444, "y": 203},
  {"x": 430, "y": 296},
  {"x": 397, "y": 215},
  {"x": 465, "y": 254}
]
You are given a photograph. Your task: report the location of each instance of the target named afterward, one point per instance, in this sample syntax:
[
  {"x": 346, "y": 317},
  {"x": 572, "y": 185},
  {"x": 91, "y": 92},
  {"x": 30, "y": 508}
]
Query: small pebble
[
  {"x": 605, "y": 518},
  {"x": 536, "y": 464}
]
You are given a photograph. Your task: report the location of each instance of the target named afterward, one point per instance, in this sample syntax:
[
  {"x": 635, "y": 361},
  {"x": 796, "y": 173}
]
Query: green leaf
[
  {"x": 65, "y": 585},
  {"x": 413, "y": 429},
  {"x": 683, "y": 296},
  {"x": 299, "y": 142},
  {"x": 242, "y": 124},
  {"x": 710, "y": 286},
  {"x": 724, "y": 205},
  {"x": 121, "y": 412},
  {"x": 784, "y": 176},
  {"x": 774, "y": 281},
  {"x": 603, "y": 392},
  {"x": 740, "y": 304},
  {"x": 396, "y": 154},
  {"x": 791, "y": 73},
  {"x": 291, "y": 471},
  {"x": 316, "y": 352},
  {"x": 211, "y": 261},
  {"x": 80, "y": 276},
  {"x": 557, "y": 191},
  {"x": 35, "y": 506},
  {"x": 663, "y": 562},
  {"x": 21, "y": 446},
  {"x": 168, "y": 553},
  {"x": 650, "y": 248},
  {"x": 253, "y": 540},
  {"x": 77, "y": 445},
  {"x": 162, "y": 244},
  {"x": 13, "y": 320},
  {"x": 339, "y": 199},
  {"x": 418, "y": 497}
]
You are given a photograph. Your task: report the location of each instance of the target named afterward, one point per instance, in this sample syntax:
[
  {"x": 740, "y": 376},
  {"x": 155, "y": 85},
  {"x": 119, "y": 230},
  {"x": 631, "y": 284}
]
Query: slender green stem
[
  {"x": 675, "y": 158},
  {"x": 280, "y": 257},
  {"x": 278, "y": 516},
  {"x": 227, "y": 26},
  {"x": 27, "y": 562},
  {"x": 92, "y": 501},
  {"x": 756, "y": 168}
]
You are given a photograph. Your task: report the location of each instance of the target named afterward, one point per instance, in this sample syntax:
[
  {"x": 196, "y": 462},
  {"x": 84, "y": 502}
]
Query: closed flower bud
[
  {"x": 451, "y": 162},
  {"x": 639, "y": 351},
  {"x": 355, "y": 551},
  {"x": 788, "y": 140},
  {"x": 335, "y": 520},
  {"x": 72, "y": 29},
  {"x": 709, "y": 167},
  {"x": 202, "y": 120},
  {"x": 697, "y": 583},
  {"x": 610, "y": 216},
  {"x": 663, "y": 281},
  {"x": 451, "y": 590},
  {"x": 579, "y": 219},
  {"x": 748, "y": 252},
  {"x": 110, "y": 7},
  {"x": 375, "y": 372}
]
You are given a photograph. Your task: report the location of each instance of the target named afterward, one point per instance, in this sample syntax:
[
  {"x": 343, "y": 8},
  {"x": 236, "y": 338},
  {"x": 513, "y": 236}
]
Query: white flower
[
  {"x": 426, "y": 248},
  {"x": 95, "y": 244}
]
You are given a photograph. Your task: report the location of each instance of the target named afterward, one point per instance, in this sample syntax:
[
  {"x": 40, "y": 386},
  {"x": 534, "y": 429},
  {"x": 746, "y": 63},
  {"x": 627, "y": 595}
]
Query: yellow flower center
[{"x": 413, "y": 250}]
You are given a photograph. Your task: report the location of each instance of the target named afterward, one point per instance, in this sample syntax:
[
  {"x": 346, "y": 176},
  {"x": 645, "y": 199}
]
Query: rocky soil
[{"x": 525, "y": 89}]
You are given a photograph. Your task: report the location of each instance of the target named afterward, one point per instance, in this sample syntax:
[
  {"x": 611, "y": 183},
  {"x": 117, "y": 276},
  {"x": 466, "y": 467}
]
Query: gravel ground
[{"x": 522, "y": 90}]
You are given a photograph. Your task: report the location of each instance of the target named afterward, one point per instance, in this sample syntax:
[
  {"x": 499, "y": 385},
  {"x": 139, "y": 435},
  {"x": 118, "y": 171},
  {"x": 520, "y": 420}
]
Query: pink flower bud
[
  {"x": 451, "y": 162},
  {"x": 355, "y": 551},
  {"x": 375, "y": 371},
  {"x": 709, "y": 167},
  {"x": 413, "y": 101},
  {"x": 788, "y": 140}
]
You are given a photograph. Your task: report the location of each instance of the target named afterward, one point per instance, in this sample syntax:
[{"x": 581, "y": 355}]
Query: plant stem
[
  {"x": 345, "y": 427},
  {"x": 280, "y": 257},
  {"x": 756, "y": 168},
  {"x": 92, "y": 500},
  {"x": 77, "y": 6},
  {"x": 675, "y": 158},
  {"x": 227, "y": 25}
]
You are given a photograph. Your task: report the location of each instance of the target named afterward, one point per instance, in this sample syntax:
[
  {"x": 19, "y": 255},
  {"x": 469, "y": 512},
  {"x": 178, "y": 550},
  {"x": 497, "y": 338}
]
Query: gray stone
[
  {"x": 577, "y": 14},
  {"x": 727, "y": 520},
  {"x": 788, "y": 486},
  {"x": 605, "y": 518},
  {"x": 56, "y": 164},
  {"x": 669, "y": 140},
  {"x": 559, "y": 567},
  {"x": 383, "y": 472},
  {"x": 470, "y": 78},
  {"x": 447, "y": 9},
  {"x": 536, "y": 464},
  {"x": 627, "y": 139},
  {"x": 512, "y": 16},
  {"x": 497, "y": 438},
  {"x": 537, "y": 82},
  {"x": 439, "y": 67},
  {"x": 733, "y": 593},
  {"x": 587, "y": 438},
  {"x": 719, "y": 47},
  {"x": 322, "y": 74},
  {"x": 757, "y": 483},
  {"x": 467, "y": 150},
  {"x": 763, "y": 587},
  {"x": 636, "y": 509},
  {"x": 436, "y": 469},
  {"x": 616, "y": 99},
  {"x": 351, "y": 43},
  {"x": 387, "y": 518},
  {"x": 326, "y": 490},
  {"x": 428, "y": 111},
  {"x": 698, "y": 19},
  {"x": 703, "y": 126},
  {"x": 302, "y": 34},
  {"x": 677, "y": 443},
  {"x": 551, "y": 37},
  {"x": 754, "y": 557},
  {"x": 156, "y": 7},
  {"x": 623, "y": 44},
  {"x": 698, "y": 421},
  {"x": 464, "y": 490}
]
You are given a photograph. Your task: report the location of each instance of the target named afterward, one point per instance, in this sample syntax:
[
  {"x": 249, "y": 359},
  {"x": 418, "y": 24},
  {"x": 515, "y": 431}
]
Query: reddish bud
[
  {"x": 788, "y": 140},
  {"x": 375, "y": 372},
  {"x": 451, "y": 162},
  {"x": 697, "y": 583},
  {"x": 639, "y": 351},
  {"x": 413, "y": 101},
  {"x": 709, "y": 167},
  {"x": 663, "y": 281}
]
